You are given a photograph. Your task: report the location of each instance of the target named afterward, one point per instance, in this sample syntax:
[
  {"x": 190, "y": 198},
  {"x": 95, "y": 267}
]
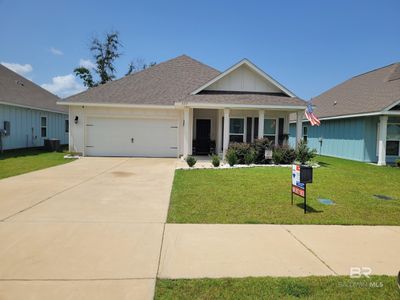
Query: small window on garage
[
  {"x": 43, "y": 127},
  {"x": 66, "y": 126}
]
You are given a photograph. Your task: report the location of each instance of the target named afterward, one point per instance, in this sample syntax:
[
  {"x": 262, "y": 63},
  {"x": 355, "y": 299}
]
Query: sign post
[{"x": 301, "y": 175}]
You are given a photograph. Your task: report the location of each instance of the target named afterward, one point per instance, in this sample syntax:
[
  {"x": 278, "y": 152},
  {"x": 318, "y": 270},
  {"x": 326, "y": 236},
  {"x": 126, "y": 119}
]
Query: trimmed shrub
[
  {"x": 283, "y": 155},
  {"x": 260, "y": 145},
  {"x": 241, "y": 150},
  {"x": 249, "y": 156},
  {"x": 191, "y": 161},
  {"x": 398, "y": 163},
  {"x": 215, "y": 160},
  {"x": 304, "y": 153},
  {"x": 231, "y": 157}
]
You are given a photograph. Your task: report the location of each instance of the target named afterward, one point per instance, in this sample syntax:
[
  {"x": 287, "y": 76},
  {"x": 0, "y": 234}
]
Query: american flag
[{"x": 311, "y": 116}]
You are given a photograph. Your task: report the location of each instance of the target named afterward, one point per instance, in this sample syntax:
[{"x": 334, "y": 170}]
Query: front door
[{"x": 203, "y": 130}]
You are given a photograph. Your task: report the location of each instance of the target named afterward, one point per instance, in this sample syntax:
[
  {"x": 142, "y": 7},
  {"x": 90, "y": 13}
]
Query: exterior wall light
[{"x": 76, "y": 119}]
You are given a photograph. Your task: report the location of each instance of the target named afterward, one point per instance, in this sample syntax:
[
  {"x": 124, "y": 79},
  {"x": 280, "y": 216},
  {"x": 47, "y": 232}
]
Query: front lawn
[
  {"x": 17, "y": 162},
  {"x": 262, "y": 195},
  {"x": 328, "y": 287}
]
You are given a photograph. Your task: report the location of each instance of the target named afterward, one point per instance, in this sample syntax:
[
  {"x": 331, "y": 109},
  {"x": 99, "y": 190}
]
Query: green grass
[
  {"x": 18, "y": 162},
  {"x": 262, "y": 195},
  {"x": 329, "y": 287}
]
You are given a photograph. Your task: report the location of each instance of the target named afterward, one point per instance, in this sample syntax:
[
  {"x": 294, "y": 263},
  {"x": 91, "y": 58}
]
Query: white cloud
[
  {"x": 64, "y": 86},
  {"x": 18, "y": 68},
  {"x": 87, "y": 63},
  {"x": 56, "y": 51}
]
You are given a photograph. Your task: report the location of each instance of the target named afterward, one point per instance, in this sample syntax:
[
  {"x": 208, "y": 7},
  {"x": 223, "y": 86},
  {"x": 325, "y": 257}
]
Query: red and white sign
[{"x": 298, "y": 191}]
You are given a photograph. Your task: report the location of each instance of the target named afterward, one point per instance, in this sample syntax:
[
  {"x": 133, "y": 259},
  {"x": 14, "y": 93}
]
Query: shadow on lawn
[
  {"x": 309, "y": 208},
  {"x": 323, "y": 164}
]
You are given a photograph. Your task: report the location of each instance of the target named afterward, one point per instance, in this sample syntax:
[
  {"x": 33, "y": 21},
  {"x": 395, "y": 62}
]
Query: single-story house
[
  {"x": 360, "y": 118},
  {"x": 178, "y": 108},
  {"x": 28, "y": 113}
]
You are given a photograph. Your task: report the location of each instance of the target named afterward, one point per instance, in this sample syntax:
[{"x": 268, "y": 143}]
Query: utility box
[
  {"x": 306, "y": 174},
  {"x": 52, "y": 145}
]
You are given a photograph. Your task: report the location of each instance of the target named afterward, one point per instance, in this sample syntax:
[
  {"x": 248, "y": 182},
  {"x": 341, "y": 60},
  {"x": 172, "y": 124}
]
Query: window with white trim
[
  {"x": 305, "y": 133},
  {"x": 393, "y": 139},
  {"x": 236, "y": 130},
  {"x": 270, "y": 129},
  {"x": 43, "y": 127}
]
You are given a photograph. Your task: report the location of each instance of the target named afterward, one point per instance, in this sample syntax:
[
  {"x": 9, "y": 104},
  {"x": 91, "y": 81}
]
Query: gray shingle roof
[
  {"x": 170, "y": 82},
  {"x": 369, "y": 92},
  {"x": 16, "y": 89},
  {"x": 162, "y": 84}
]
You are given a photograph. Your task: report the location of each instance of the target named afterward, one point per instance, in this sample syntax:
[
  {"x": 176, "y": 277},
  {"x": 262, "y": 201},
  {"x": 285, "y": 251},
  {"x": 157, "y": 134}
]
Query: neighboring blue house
[
  {"x": 360, "y": 118},
  {"x": 28, "y": 113}
]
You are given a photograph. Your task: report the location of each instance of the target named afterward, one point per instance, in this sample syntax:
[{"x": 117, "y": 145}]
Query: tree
[
  {"x": 105, "y": 53},
  {"x": 138, "y": 65}
]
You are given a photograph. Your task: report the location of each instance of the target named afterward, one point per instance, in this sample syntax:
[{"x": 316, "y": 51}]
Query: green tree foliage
[{"x": 104, "y": 53}]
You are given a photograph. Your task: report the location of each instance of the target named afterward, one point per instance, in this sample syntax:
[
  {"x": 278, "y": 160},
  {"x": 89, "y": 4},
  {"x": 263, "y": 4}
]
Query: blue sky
[{"x": 308, "y": 46}]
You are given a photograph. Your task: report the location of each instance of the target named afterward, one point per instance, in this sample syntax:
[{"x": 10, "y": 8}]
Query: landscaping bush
[
  {"x": 283, "y": 155},
  {"x": 260, "y": 145},
  {"x": 304, "y": 153},
  {"x": 249, "y": 156},
  {"x": 241, "y": 150},
  {"x": 398, "y": 163},
  {"x": 191, "y": 161},
  {"x": 215, "y": 160},
  {"x": 231, "y": 157}
]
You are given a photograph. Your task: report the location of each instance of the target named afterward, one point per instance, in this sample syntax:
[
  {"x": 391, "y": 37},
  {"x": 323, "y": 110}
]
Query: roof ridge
[{"x": 373, "y": 70}]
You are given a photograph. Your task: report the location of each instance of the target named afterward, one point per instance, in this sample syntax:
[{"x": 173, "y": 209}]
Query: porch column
[
  {"x": 218, "y": 143},
  {"x": 286, "y": 126},
  {"x": 226, "y": 130},
  {"x": 382, "y": 140},
  {"x": 191, "y": 120},
  {"x": 260, "y": 124},
  {"x": 186, "y": 132},
  {"x": 299, "y": 126}
]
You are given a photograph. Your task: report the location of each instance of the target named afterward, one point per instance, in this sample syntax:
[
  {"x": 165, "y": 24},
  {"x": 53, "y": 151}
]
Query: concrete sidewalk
[{"x": 195, "y": 251}]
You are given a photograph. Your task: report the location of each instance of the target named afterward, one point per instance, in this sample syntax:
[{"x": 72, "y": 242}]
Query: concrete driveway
[{"x": 88, "y": 229}]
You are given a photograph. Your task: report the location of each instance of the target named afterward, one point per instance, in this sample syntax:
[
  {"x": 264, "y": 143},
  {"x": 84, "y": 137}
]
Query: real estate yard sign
[{"x": 298, "y": 188}]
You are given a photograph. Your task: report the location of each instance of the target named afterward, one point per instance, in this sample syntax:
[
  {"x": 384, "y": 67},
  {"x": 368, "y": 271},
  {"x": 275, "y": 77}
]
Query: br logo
[{"x": 358, "y": 272}]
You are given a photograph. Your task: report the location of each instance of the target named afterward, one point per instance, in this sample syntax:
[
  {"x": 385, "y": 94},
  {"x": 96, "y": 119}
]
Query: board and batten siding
[
  {"x": 25, "y": 126},
  {"x": 343, "y": 138}
]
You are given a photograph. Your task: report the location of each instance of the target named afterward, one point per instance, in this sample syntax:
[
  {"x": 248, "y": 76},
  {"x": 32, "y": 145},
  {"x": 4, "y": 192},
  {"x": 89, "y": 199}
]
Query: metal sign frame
[{"x": 298, "y": 188}]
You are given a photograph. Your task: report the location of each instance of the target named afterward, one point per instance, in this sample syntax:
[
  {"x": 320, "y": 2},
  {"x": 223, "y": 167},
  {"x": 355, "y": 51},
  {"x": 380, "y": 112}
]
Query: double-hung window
[
  {"x": 236, "y": 130},
  {"x": 305, "y": 133},
  {"x": 66, "y": 126},
  {"x": 393, "y": 139},
  {"x": 43, "y": 127},
  {"x": 270, "y": 129}
]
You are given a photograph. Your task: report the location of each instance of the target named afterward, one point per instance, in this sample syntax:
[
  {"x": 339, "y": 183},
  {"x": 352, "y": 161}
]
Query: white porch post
[
  {"x": 260, "y": 124},
  {"x": 286, "y": 126},
  {"x": 382, "y": 140},
  {"x": 186, "y": 132},
  {"x": 218, "y": 143},
  {"x": 299, "y": 126},
  {"x": 191, "y": 120},
  {"x": 226, "y": 130}
]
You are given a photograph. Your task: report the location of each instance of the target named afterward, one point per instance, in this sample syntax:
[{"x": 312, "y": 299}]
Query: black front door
[{"x": 203, "y": 129}]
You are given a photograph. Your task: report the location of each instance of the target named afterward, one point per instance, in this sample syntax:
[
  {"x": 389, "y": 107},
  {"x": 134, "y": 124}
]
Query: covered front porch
[{"x": 210, "y": 130}]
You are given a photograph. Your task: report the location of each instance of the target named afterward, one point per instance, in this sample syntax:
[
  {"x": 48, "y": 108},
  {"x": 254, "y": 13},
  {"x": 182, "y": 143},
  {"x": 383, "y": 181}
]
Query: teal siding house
[
  {"x": 28, "y": 113},
  {"x": 360, "y": 118}
]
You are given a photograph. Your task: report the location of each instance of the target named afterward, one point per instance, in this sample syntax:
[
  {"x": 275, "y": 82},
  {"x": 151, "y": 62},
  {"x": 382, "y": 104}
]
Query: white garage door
[{"x": 131, "y": 137}]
